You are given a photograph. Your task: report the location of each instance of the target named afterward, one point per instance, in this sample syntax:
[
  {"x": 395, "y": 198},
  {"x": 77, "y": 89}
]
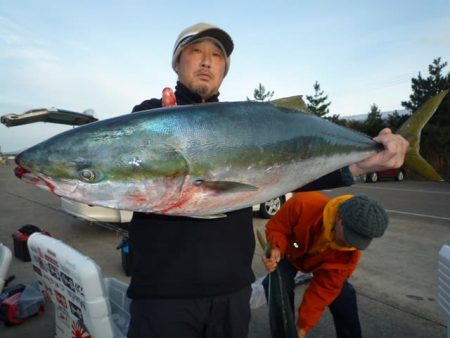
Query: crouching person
[{"x": 312, "y": 233}]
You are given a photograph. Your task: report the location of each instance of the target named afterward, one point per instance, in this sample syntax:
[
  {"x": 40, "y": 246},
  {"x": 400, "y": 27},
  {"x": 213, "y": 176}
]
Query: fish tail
[{"x": 412, "y": 129}]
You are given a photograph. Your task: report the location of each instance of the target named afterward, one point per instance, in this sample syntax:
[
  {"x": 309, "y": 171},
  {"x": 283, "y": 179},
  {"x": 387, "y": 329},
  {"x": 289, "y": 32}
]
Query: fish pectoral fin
[
  {"x": 209, "y": 216},
  {"x": 225, "y": 186}
]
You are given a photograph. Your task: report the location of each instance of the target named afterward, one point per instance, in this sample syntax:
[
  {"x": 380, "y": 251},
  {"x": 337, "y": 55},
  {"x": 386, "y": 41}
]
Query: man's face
[
  {"x": 201, "y": 67},
  {"x": 339, "y": 236}
]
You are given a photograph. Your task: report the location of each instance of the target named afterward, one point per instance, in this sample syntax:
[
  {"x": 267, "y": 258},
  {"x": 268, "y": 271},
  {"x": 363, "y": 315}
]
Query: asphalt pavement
[{"x": 396, "y": 280}]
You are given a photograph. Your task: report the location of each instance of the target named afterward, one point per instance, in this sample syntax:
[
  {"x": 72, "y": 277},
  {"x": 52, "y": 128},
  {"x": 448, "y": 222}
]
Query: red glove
[{"x": 168, "y": 97}]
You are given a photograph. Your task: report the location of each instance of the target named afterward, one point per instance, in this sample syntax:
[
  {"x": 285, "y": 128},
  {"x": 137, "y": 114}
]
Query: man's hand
[
  {"x": 301, "y": 333},
  {"x": 272, "y": 262},
  {"x": 393, "y": 155}
]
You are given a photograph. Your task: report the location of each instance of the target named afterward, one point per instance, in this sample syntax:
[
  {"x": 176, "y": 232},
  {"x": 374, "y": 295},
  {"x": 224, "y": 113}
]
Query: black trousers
[
  {"x": 344, "y": 308},
  {"x": 224, "y": 316}
]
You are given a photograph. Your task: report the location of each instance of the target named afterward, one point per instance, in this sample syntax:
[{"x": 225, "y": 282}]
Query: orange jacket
[{"x": 298, "y": 231}]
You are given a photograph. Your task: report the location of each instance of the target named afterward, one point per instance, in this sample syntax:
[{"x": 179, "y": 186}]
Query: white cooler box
[
  {"x": 5, "y": 261},
  {"x": 86, "y": 304},
  {"x": 444, "y": 283}
]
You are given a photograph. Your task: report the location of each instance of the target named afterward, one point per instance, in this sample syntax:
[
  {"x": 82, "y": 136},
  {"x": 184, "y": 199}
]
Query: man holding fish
[{"x": 191, "y": 277}]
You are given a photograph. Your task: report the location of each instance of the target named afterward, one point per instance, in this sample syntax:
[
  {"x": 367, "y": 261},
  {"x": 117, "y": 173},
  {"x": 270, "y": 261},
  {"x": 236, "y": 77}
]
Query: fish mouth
[{"x": 31, "y": 178}]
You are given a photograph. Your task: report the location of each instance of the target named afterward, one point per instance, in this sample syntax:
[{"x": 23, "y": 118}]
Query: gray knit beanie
[{"x": 363, "y": 219}]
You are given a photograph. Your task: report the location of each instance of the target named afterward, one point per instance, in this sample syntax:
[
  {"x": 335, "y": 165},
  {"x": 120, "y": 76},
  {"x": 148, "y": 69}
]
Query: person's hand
[
  {"x": 393, "y": 155},
  {"x": 272, "y": 262},
  {"x": 301, "y": 333}
]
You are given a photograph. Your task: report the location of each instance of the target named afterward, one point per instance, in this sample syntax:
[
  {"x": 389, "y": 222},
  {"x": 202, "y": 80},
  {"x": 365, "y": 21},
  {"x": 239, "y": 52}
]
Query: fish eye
[{"x": 87, "y": 175}]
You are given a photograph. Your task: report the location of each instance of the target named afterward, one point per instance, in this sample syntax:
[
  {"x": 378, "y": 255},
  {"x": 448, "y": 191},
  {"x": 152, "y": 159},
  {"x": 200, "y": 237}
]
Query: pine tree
[
  {"x": 260, "y": 94},
  {"x": 317, "y": 103},
  {"x": 374, "y": 122},
  {"x": 336, "y": 119},
  {"x": 395, "y": 120},
  {"x": 425, "y": 88},
  {"x": 356, "y": 125}
]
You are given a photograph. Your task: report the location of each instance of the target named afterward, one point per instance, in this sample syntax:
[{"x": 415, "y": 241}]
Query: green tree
[
  {"x": 374, "y": 122},
  {"x": 317, "y": 102},
  {"x": 356, "y": 125},
  {"x": 336, "y": 119},
  {"x": 395, "y": 120},
  {"x": 425, "y": 88},
  {"x": 260, "y": 94}
]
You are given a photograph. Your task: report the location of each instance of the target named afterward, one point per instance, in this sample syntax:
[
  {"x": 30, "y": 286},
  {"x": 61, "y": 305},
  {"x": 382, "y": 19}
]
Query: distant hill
[{"x": 384, "y": 115}]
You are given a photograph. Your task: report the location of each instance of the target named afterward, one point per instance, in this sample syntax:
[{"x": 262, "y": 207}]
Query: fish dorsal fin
[
  {"x": 225, "y": 186},
  {"x": 292, "y": 102}
]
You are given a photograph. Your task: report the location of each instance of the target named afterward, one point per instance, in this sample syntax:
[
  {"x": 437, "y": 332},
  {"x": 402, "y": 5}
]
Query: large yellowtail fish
[{"x": 195, "y": 160}]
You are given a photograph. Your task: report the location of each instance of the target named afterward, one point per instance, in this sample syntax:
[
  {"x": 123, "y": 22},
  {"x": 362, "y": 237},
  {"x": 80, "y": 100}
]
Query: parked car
[
  {"x": 270, "y": 207},
  {"x": 101, "y": 214},
  {"x": 94, "y": 213},
  {"x": 51, "y": 115},
  {"x": 397, "y": 174}
]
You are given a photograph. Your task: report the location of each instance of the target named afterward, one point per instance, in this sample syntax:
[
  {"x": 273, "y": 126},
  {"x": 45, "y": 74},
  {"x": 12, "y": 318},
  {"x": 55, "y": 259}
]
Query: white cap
[{"x": 199, "y": 31}]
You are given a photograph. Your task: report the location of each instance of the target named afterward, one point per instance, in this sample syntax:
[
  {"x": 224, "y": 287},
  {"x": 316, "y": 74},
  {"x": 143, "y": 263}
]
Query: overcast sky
[{"x": 111, "y": 55}]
